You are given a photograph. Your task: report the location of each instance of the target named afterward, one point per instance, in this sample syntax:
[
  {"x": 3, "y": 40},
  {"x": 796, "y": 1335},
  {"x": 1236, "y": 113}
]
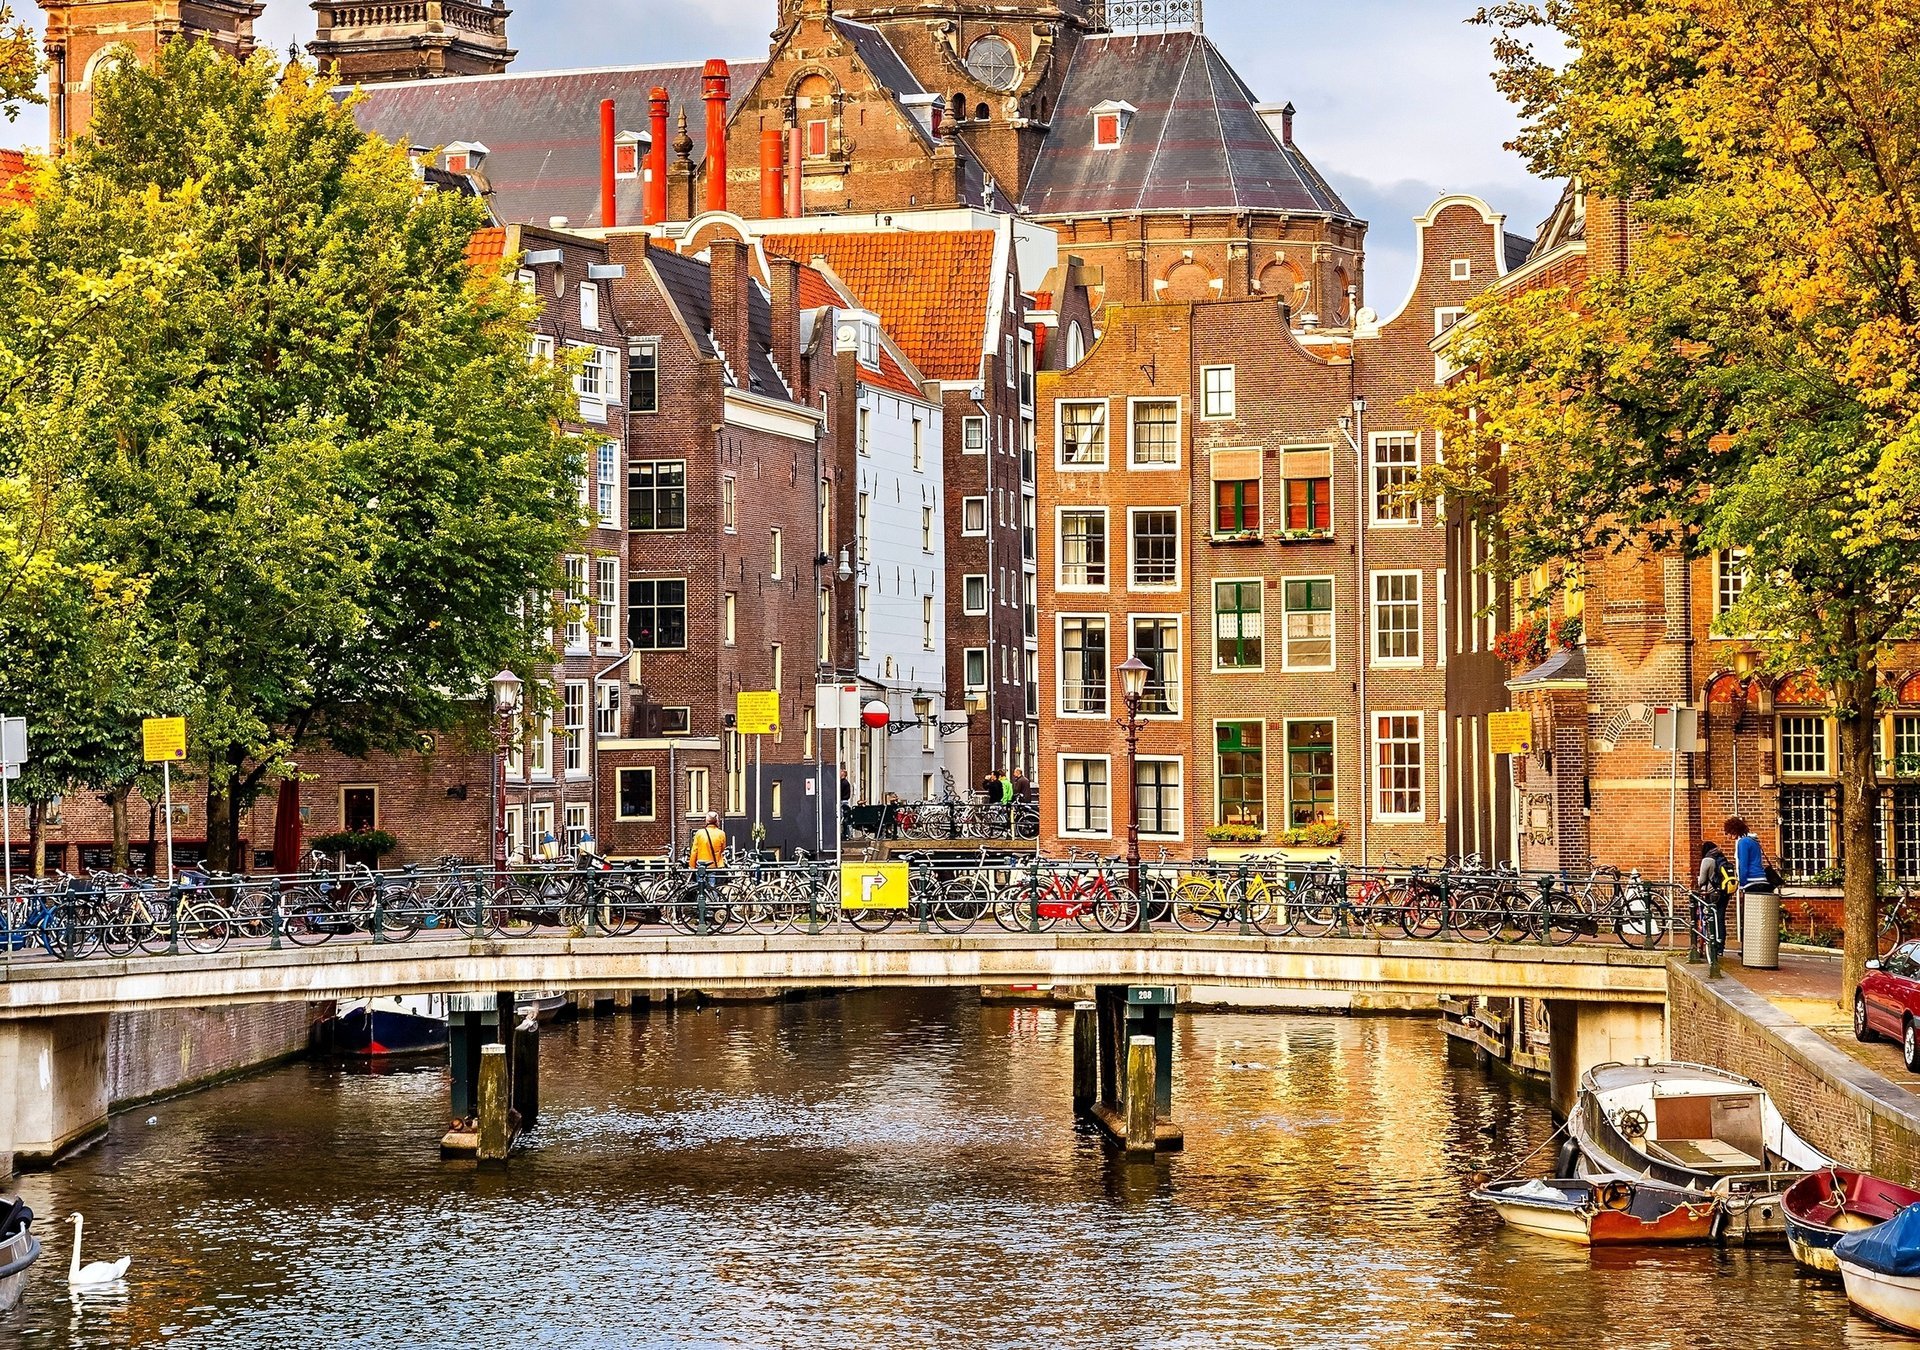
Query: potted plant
[
  {"x": 1236, "y": 834},
  {"x": 358, "y": 844},
  {"x": 1320, "y": 834}
]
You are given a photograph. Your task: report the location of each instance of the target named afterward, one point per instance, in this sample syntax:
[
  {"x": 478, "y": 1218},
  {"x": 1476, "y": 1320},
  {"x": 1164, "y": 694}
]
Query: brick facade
[{"x": 82, "y": 34}]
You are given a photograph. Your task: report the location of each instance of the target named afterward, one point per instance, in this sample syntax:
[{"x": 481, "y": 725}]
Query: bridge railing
[{"x": 73, "y": 918}]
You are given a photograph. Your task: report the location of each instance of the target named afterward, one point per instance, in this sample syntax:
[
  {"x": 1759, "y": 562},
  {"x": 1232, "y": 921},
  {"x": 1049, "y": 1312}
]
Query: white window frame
[
  {"x": 578, "y": 634},
  {"x": 699, "y": 791},
  {"x": 1214, "y": 407},
  {"x": 972, "y": 656},
  {"x": 606, "y": 709},
  {"x": 540, "y": 748},
  {"x": 606, "y": 601},
  {"x": 590, "y": 306},
  {"x": 967, "y": 506},
  {"x": 1377, "y": 787},
  {"x": 1826, "y": 740},
  {"x": 1462, "y": 269},
  {"x": 1179, "y": 425},
  {"x": 1375, "y": 442},
  {"x": 776, "y": 552},
  {"x": 926, "y": 529},
  {"x": 1060, "y": 461},
  {"x": 1179, "y": 549},
  {"x": 1060, "y": 514},
  {"x": 730, "y": 619},
  {"x": 589, "y": 384},
  {"x": 968, "y": 427},
  {"x": 1287, "y": 663},
  {"x": 1179, "y": 762},
  {"x": 575, "y": 700},
  {"x": 928, "y": 627},
  {"x": 1376, "y": 608},
  {"x": 1731, "y": 570},
  {"x": 1060, "y": 776},
  {"x": 967, "y": 605}
]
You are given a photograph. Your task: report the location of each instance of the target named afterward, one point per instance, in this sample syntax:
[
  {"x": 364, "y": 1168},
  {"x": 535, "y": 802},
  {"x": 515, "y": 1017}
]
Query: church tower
[
  {"x": 83, "y": 36},
  {"x": 419, "y": 40}
]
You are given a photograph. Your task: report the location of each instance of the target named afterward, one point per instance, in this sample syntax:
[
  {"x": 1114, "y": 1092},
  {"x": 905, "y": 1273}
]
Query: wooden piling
[
  {"x": 1086, "y": 1056},
  {"x": 623, "y": 1000},
  {"x": 526, "y": 1072},
  {"x": 493, "y": 1094},
  {"x": 1140, "y": 1112}
]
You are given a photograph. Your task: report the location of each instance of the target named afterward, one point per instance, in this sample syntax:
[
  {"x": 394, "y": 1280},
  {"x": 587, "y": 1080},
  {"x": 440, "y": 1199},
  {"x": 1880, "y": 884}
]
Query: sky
[{"x": 1395, "y": 104}]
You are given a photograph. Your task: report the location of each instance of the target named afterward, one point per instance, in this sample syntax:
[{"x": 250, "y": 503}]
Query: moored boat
[
  {"x": 1698, "y": 1128},
  {"x": 1823, "y": 1207},
  {"x": 1597, "y": 1212},
  {"x": 384, "y": 1027},
  {"x": 540, "y": 1006},
  {"x": 1881, "y": 1268},
  {"x": 19, "y": 1249}
]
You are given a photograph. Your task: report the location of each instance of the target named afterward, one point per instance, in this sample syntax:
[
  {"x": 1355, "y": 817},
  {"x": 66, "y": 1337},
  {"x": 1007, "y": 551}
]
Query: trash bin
[{"x": 1760, "y": 930}]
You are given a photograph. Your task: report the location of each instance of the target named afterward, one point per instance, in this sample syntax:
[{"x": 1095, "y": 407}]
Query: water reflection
[{"x": 883, "y": 1170}]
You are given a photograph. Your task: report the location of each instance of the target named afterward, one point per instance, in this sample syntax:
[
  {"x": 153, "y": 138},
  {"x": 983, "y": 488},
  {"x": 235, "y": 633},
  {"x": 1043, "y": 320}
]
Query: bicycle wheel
[
  {"x": 1474, "y": 914},
  {"x": 1318, "y": 910},
  {"x": 618, "y": 911},
  {"x": 1639, "y": 923},
  {"x": 1558, "y": 918},
  {"x": 1116, "y": 909},
  {"x": 400, "y": 916},
  {"x": 1515, "y": 922},
  {"x": 1421, "y": 910},
  {"x": 1197, "y": 905},
  {"x": 964, "y": 901},
  {"x": 515, "y": 911},
  {"x": 205, "y": 928},
  {"x": 1275, "y": 911},
  {"x": 1022, "y": 909}
]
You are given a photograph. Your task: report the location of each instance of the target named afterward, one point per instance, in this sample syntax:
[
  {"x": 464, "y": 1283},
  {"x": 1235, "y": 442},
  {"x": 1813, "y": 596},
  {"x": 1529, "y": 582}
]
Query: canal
[{"x": 887, "y": 1169}]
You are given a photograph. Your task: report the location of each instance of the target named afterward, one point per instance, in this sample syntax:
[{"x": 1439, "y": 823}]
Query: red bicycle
[{"x": 1083, "y": 889}]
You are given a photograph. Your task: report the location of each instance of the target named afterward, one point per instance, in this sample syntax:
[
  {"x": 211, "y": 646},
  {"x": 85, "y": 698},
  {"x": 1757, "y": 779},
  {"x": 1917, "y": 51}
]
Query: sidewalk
[{"x": 1807, "y": 989}]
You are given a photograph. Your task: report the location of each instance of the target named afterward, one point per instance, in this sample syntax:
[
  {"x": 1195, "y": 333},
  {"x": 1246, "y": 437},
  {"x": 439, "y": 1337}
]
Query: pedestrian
[
  {"x": 1751, "y": 871},
  {"x": 707, "y": 854},
  {"x": 990, "y": 785},
  {"x": 846, "y": 803},
  {"x": 1715, "y": 888},
  {"x": 1006, "y": 792},
  {"x": 1022, "y": 787}
]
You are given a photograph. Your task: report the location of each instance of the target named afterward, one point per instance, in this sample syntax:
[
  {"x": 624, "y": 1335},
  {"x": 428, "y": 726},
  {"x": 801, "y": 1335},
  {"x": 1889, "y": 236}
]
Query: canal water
[{"x": 888, "y": 1169}]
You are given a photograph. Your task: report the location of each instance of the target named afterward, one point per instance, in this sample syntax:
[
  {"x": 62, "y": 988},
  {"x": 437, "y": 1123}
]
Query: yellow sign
[
  {"x": 164, "y": 738},
  {"x": 1510, "y": 733},
  {"x": 873, "y": 885},
  {"x": 757, "y": 713}
]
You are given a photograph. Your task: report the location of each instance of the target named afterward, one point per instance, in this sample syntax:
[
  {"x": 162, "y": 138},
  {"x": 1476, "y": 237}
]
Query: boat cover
[{"x": 1891, "y": 1248}]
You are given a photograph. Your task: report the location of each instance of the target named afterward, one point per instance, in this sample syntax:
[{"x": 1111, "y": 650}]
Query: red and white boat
[{"x": 1604, "y": 1211}]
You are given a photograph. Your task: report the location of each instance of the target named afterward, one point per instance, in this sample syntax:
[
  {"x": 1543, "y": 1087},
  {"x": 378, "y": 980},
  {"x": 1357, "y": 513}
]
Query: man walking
[{"x": 707, "y": 855}]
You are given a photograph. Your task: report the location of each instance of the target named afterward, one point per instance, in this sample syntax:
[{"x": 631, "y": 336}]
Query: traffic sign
[
  {"x": 1510, "y": 733},
  {"x": 164, "y": 739},
  {"x": 13, "y": 745},
  {"x": 757, "y": 712},
  {"x": 873, "y": 885},
  {"x": 1676, "y": 730}
]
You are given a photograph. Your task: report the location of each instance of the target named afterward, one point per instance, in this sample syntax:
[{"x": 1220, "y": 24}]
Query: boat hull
[
  {"x": 1618, "y": 1212},
  {"x": 375, "y": 1030},
  {"x": 17, "y": 1255},
  {"x": 1824, "y": 1206},
  {"x": 1892, "y": 1300}
]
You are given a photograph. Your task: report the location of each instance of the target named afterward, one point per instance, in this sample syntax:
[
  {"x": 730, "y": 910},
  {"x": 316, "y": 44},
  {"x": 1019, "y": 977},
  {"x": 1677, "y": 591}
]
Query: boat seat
[
  {"x": 14, "y": 1219},
  {"x": 1703, "y": 1155}
]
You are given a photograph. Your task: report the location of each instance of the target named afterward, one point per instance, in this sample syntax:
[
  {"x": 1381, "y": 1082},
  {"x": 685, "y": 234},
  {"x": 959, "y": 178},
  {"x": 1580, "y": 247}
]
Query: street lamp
[
  {"x": 1133, "y": 687},
  {"x": 506, "y": 699},
  {"x": 1353, "y": 430}
]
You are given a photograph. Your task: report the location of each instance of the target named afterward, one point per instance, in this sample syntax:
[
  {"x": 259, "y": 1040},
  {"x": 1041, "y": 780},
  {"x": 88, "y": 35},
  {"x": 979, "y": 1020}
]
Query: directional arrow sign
[{"x": 873, "y": 886}]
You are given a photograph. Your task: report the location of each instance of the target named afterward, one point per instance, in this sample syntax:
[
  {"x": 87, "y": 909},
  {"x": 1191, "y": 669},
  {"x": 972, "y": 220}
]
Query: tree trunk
[
  {"x": 122, "y": 845},
  {"x": 219, "y": 831},
  {"x": 37, "y": 838},
  {"x": 1858, "y": 716}
]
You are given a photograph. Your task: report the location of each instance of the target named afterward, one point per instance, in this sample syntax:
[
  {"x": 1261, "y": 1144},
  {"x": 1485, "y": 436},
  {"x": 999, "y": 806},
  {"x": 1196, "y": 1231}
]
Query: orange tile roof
[
  {"x": 13, "y": 172},
  {"x": 930, "y": 289},
  {"x": 488, "y": 247}
]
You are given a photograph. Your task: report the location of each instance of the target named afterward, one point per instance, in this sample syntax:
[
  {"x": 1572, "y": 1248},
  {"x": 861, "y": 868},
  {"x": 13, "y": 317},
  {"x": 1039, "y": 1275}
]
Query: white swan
[{"x": 96, "y": 1272}]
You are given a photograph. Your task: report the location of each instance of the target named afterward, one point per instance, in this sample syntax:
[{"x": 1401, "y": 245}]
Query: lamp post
[
  {"x": 1133, "y": 687},
  {"x": 1353, "y": 428},
  {"x": 506, "y": 699}
]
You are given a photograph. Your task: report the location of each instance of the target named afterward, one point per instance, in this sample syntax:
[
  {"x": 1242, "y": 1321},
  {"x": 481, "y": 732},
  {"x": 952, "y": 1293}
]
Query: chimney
[
  {"x": 655, "y": 209},
  {"x": 609, "y": 183},
  {"x": 773, "y": 192},
  {"x": 731, "y": 281},
  {"x": 796, "y": 157},
  {"x": 1286, "y": 125},
  {"x": 783, "y": 280},
  {"x": 716, "y": 83}
]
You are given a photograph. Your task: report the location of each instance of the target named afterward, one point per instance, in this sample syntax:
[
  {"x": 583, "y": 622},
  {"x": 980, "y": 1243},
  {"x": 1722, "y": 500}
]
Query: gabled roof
[
  {"x": 13, "y": 176},
  {"x": 543, "y": 129},
  {"x": 688, "y": 286},
  {"x": 487, "y": 247},
  {"x": 1565, "y": 224},
  {"x": 817, "y": 292},
  {"x": 932, "y": 289},
  {"x": 1196, "y": 143}
]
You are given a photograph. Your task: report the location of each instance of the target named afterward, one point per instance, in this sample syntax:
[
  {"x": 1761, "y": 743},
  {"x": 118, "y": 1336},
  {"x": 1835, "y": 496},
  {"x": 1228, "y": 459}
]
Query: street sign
[
  {"x": 1148, "y": 995},
  {"x": 757, "y": 712},
  {"x": 164, "y": 739},
  {"x": 1676, "y": 729},
  {"x": 1510, "y": 733},
  {"x": 13, "y": 743},
  {"x": 873, "y": 885}
]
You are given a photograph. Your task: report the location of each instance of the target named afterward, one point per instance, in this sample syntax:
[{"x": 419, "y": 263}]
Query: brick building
[{"x": 1221, "y": 498}]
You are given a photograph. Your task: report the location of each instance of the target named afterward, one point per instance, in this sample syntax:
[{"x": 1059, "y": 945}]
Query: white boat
[
  {"x": 540, "y": 1005},
  {"x": 19, "y": 1249},
  {"x": 1621, "y": 1211},
  {"x": 1881, "y": 1268},
  {"x": 1696, "y": 1127}
]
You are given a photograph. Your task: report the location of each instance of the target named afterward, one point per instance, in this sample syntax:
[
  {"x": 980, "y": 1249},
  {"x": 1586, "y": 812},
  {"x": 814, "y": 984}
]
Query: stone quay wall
[{"x": 160, "y": 1052}]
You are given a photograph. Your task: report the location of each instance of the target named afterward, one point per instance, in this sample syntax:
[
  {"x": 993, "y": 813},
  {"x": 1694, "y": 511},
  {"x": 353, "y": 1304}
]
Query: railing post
[
  {"x": 1240, "y": 889},
  {"x": 1033, "y": 895},
  {"x": 275, "y": 919},
  {"x": 379, "y": 910},
  {"x": 173, "y": 919}
]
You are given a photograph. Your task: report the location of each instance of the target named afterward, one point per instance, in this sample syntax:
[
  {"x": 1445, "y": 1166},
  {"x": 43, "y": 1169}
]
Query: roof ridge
[
  {"x": 626, "y": 68},
  {"x": 1219, "y": 122},
  {"x": 1153, "y": 164}
]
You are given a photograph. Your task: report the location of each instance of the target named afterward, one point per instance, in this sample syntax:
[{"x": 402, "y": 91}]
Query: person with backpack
[
  {"x": 707, "y": 854},
  {"x": 1714, "y": 888}
]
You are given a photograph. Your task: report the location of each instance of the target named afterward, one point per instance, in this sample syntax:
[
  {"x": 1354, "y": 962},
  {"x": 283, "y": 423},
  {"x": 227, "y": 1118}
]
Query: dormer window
[
  {"x": 1110, "y": 123},
  {"x": 629, "y": 152},
  {"x": 858, "y": 332},
  {"x": 463, "y": 156}
]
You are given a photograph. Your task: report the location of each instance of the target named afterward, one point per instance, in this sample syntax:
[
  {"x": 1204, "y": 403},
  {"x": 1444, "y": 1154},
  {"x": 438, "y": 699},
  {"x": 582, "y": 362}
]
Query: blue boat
[
  {"x": 1881, "y": 1268},
  {"x": 383, "y": 1027}
]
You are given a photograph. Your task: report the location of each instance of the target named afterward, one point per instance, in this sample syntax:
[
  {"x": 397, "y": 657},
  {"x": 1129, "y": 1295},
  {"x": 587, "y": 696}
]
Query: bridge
[{"x": 1608, "y": 1001}]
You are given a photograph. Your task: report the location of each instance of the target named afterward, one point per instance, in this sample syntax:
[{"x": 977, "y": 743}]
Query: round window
[{"x": 991, "y": 61}]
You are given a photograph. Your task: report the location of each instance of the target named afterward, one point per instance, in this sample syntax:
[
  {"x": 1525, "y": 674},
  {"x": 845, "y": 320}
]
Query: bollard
[
  {"x": 1086, "y": 1057},
  {"x": 1140, "y": 1111},
  {"x": 492, "y": 1094},
  {"x": 526, "y": 1072}
]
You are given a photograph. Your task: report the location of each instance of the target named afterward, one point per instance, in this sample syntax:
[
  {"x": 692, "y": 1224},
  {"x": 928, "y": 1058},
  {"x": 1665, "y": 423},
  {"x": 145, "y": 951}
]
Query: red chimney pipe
[
  {"x": 609, "y": 204},
  {"x": 796, "y": 188},
  {"x": 716, "y": 83},
  {"x": 654, "y": 209},
  {"x": 773, "y": 194}
]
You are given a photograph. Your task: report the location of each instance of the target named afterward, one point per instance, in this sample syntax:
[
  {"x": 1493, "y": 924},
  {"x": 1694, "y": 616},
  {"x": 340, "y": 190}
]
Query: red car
[{"x": 1887, "y": 1003}]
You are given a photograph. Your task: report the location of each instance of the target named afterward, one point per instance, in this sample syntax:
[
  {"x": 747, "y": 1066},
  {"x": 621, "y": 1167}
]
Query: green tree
[
  {"x": 1749, "y": 380},
  {"x": 19, "y": 65},
  {"x": 315, "y": 433}
]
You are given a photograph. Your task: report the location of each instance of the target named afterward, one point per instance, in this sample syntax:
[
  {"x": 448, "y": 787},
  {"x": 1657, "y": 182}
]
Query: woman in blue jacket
[{"x": 1749, "y": 864}]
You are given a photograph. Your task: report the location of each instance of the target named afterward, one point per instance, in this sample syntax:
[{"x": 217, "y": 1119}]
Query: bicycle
[{"x": 1082, "y": 889}]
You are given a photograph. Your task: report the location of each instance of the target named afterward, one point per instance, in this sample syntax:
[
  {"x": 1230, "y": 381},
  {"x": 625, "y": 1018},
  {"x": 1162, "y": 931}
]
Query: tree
[
  {"x": 19, "y": 65},
  {"x": 315, "y": 433},
  {"x": 1749, "y": 380}
]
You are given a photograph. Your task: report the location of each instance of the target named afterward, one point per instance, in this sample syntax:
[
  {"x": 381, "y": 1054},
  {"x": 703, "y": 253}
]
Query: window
[
  {"x": 973, "y": 593},
  {"x": 776, "y": 799},
  {"x": 578, "y": 826},
  {"x": 1156, "y": 785},
  {"x": 817, "y": 130},
  {"x": 606, "y": 478},
  {"x": 576, "y": 602},
  {"x": 777, "y": 658},
  {"x": 1026, "y": 370},
  {"x": 865, "y": 434},
  {"x": 626, "y": 159},
  {"x": 1239, "y": 625},
  {"x": 1310, "y": 504},
  {"x": 1083, "y": 435},
  {"x": 730, "y": 618},
  {"x": 1806, "y": 832},
  {"x": 657, "y": 495},
  {"x": 1240, "y": 773},
  {"x": 635, "y": 791},
  {"x": 973, "y": 435},
  {"x": 643, "y": 376},
  {"x": 589, "y": 387},
  {"x": 1399, "y": 766},
  {"x": 1307, "y": 642},
  {"x": 1156, "y": 641},
  {"x": 991, "y": 60},
  {"x": 1156, "y": 547},
  {"x": 675, "y": 721},
  {"x": 863, "y": 527},
  {"x": 1216, "y": 391},
  {"x": 926, "y": 622},
  {"x": 1106, "y": 131},
  {"x": 1396, "y": 618},
  {"x": 729, "y": 503},
  {"x": 861, "y": 631},
  {"x": 926, "y": 529},
  {"x": 606, "y": 601},
  {"x": 606, "y": 710},
  {"x": 919, "y": 445},
  {"x": 1906, "y": 747},
  {"x": 1396, "y": 462},
  {"x": 698, "y": 794},
  {"x": 975, "y": 672},
  {"x": 1083, "y": 549},
  {"x": 590, "y": 306},
  {"x": 973, "y": 516},
  {"x": 1084, "y": 805},
  {"x": 1803, "y": 746},
  {"x": 1236, "y": 506},
  {"x": 1083, "y": 665},
  {"x": 1155, "y": 442},
  {"x": 734, "y": 756},
  {"x": 1463, "y": 269},
  {"x": 657, "y": 614},
  {"x": 823, "y": 624},
  {"x": 575, "y": 705},
  {"x": 776, "y": 554},
  {"x": 1729, "y": 579},
  {"x": 540, "y": 748},
  {"x": 1310, "y": 763}
]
